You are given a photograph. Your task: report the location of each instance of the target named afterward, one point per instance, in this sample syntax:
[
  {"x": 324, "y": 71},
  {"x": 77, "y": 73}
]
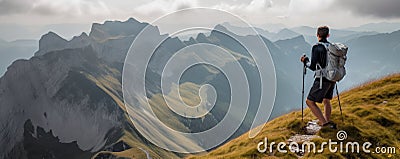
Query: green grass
[
  {"x": 107, "y": 81},
  {"x": 371, "y": 112}
]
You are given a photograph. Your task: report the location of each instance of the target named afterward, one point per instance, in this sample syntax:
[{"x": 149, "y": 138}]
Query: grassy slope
[
  {"x": 367, "y": 118},
  {"x": 108, "y": 82}
]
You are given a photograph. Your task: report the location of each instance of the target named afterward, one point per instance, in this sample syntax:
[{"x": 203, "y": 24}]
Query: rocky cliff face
[
  {"x": 66, "y": 101},
  {"x": 51, "y": 42},
  {"x": 55, "y": 94}
]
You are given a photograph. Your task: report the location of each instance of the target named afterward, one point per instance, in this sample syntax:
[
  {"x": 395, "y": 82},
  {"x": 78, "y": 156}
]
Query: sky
[{"x": 24, "y": 19}]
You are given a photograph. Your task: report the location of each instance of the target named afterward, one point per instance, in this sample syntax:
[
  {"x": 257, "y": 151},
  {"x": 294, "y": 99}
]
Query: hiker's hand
[{"x": 304, "y": 59}]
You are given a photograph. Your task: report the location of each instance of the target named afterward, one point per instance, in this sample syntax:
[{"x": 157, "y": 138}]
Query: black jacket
[{"x": 318, "y": 55}]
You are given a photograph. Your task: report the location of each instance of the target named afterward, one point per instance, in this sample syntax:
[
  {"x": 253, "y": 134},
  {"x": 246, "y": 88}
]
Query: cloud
[
  {"x": 377, "y": 8},
  {"x": 13, "y": 6},
  {"x": 252, "y": 6},
  {"x": 307, "y": 7},
  {"x": 288, "y": 12},
  {"x": 165, "y": 6},
  {"x": 51, "y": 7}
]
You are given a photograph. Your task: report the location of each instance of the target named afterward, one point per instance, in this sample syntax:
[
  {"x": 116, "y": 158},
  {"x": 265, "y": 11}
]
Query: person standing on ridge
[{"x": 320, "y": 93}]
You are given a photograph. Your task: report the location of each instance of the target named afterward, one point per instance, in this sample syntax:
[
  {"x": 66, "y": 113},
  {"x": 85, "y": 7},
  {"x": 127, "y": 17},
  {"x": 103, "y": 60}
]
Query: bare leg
[
  {"x": 316, "y": 111},
  {"x": 328, "y": 109}
]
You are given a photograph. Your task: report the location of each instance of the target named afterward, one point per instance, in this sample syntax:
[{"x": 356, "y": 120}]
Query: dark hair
[{"x": 323, "y": 32}]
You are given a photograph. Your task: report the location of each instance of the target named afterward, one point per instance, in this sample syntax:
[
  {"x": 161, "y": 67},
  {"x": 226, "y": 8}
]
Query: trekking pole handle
[
  {"x": 305, "y": 60},
  {"x": 305, "y": 63}
]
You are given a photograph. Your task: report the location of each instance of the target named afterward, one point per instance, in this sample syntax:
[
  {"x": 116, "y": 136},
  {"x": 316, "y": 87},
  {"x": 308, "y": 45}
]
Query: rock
[
  {"x": 50, "y": 42},
  {"x": 312, "y": 127},
  {"x": 300, "y": 139},
  {"x": 118, "y": 147}
]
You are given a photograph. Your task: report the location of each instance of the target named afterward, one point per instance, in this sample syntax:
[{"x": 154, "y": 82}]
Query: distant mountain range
[
  {"x": 69, "y": 94},
  {"x": 372, "y": 57},
  {"x": 280, "y": 35},
  {"x": 272, "y": 32},
  {"x": 337, "y": 35},
  {"x": 12, "y": 32},
  {"x": 383, "y": 27},
  {"x": 309, "y": 33}
]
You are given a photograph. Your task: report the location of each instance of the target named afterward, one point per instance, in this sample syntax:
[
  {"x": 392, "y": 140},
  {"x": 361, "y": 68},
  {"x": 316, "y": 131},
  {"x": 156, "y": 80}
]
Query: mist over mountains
[
  {"x": 19, "y": 49},
  {"x": 70, "y": 91},
  {"x": 11, "y": 34}
]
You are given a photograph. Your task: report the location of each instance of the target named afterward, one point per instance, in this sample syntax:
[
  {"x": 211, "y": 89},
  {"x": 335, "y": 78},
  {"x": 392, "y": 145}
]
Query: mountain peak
[
  {"x": 288, "y": 31},
  {"x": 79, "y": 41},
  {"x": 298, "y": 38},
  {"x": 132, "y": 20},
  {"x": 201, "y": 37},
  {"x": 293, "y": 41},
  {"x": 50, "y": 41},
  {"x": 286, "y": 34},
  {"x": 221, "y": 30},
  {"x": 83, "y": 34},
  {"x": 116, "y": 28},
  {"x": 220, "y": 27},
  {"x": 51, "y": 35}
]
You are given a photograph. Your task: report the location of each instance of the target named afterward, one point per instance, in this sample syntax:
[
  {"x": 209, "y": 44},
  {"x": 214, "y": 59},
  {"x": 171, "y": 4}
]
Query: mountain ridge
[{"x": 85, "y": 73}]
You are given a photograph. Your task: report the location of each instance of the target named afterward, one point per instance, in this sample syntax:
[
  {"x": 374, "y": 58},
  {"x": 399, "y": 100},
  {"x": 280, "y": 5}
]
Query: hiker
[{"x": 320, "y": 93}]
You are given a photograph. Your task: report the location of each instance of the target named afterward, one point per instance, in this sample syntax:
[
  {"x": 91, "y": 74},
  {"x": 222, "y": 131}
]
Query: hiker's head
[{"x": 323, "y": 32}]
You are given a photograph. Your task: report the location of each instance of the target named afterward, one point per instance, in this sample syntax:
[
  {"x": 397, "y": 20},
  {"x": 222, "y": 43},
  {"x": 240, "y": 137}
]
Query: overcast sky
[{"x": 335, "y": 13}]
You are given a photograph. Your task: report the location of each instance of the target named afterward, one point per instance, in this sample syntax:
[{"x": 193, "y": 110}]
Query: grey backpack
[{"x": 336, "y": 59}]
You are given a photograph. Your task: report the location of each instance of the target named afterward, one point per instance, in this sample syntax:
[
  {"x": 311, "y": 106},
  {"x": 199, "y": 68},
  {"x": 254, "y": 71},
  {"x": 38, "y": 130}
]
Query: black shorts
[{"x": 317, "y": 95}]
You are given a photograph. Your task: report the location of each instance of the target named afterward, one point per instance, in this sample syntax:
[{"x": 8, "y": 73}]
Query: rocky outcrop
[
  {"x": 54, "y": 93},
  {"x": 51, "y": 42},
  {"x": 110, "y": 29}
]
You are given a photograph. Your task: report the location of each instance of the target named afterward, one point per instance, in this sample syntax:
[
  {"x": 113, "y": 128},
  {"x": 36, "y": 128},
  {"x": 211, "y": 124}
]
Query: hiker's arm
[{"x": 314, "y": 58}]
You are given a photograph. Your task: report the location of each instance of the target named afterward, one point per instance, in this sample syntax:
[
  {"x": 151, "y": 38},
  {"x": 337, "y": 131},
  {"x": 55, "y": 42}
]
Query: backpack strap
[
  {"x": 319, "y": 70},
  {"x": 318, "y": 74},
  {"x": 324, "y": 44}
]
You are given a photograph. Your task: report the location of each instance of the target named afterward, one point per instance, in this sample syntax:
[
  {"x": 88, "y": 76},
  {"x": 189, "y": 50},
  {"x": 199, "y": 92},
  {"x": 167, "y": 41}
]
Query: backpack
[{"x": 335, "y": 60}]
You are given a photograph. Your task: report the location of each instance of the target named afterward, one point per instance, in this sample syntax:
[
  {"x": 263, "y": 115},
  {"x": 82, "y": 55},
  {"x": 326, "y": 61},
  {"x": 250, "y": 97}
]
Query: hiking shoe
[{"x": 330, "y": 124}]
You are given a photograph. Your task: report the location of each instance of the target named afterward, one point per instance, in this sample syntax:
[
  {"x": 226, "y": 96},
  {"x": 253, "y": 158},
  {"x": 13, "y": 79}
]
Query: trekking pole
[
  {"x": 302, "y": 90},
  {"x": 340, "y": 107}
]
